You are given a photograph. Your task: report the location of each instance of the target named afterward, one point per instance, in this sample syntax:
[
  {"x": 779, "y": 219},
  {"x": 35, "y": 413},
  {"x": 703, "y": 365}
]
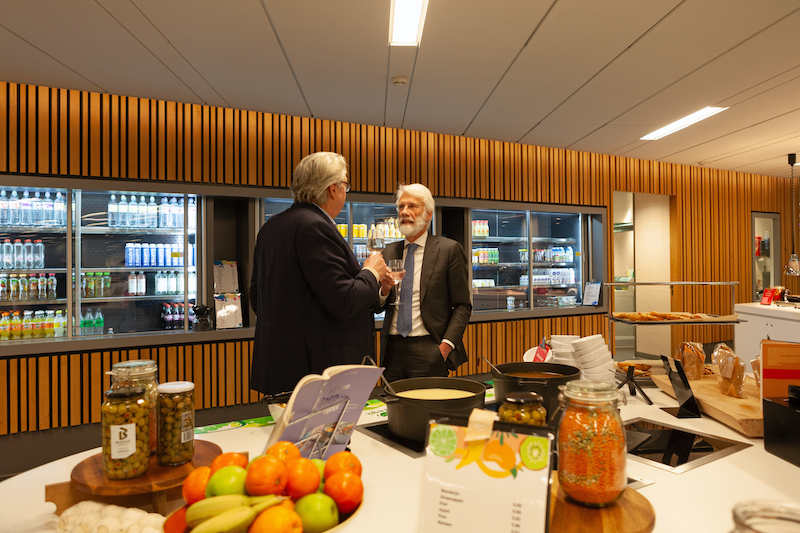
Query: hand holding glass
[
  {"x": 375, "y": 241},
  {"x": 398, "y": 272}
]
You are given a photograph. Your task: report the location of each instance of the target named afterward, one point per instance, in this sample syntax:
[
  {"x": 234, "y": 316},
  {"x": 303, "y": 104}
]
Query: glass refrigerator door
[
  {"x": 500, "y": 278},
  {"x": 136, "y": 257},
  {"x": 364, "y": 216},
  {"x": 33, "y": 263},
  {"x": 556, "y": 246}
]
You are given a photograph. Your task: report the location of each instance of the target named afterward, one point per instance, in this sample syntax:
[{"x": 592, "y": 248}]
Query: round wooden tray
[
  {"x": 632, "y": 513},
  {"x": 88, "y": 475}
]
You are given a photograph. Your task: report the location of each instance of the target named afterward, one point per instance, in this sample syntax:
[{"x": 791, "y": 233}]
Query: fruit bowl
[{"x": 343, "y": 519}]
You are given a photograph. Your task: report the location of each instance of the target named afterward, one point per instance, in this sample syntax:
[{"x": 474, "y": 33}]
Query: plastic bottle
[
  {"x": 83, "y": 285},
  {"x": 3, "y": 208},
  {"x": 37, "y": 325},
  {"x": 13, "y": 209},
  {"x": 99, "y": 322},
  {"x": 4, "y": 289},
  {"x": 122, "y": 212},
  {"x": 23, "y": 287},
  {"x": 38, "y": 254},
  {"x": 132, "y": 284},
  {"x": 133, "y": 213},
  {"x": 179, "y": 220},
  {"x": 90, "y": 285},
  {"x": 87, "y": 323},
  {"x": 192, "y": 215},
  {"x": 158, "y": 283},
  {"x": 179, "y": 320},
  {"x": 50, "y": 324},
  {"x": 137, "y": 255},
  {"x": 8, "y": 255},
  {"x": 13, "y": 288},
  {"x": 106, "y": 284},
  {"x": 173, "y": 212},
  {"x": 167, "y": 254},
  {"x": 142, "y": 219},
  {"x": 33, "y": 287},
  {"x": 51, "y": 286},
  {"x": 145, "y": 254},
  {"x": 25, "y": 213},
  {"x": 113, "y": 212},
  {"x": 36, "y": 210},
  {"x": 60, "y": 210},
  {"x": 169, "y": 317},
  {"x": 47, "y": 210},
  {"x": 152, "y": 213},
  {"x": 16, "y": 326},
  {"x": 179, "y": 285},
  {"x": 27, "y": 324},
  {"x": 172, "y": 283},
  {"x": 59, "y": 326},
  {"x": 163, "y": 213},
  {"x": 141, "y": 284},
  {"x": 153, "y": 254},
  {"x": 19, "y": 255},
  {"x": 28, "y": 254},
  {"x": 192, "y": 283},
  {"x": 160, "y": 259},
  {"x": 42, "y": 287},
  {"x": 5, "y": 326}
]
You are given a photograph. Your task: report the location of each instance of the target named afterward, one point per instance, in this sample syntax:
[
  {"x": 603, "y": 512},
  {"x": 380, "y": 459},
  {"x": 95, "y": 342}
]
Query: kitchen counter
[
  {"x": 779, "y": 323},
  {"x": 700, "y": 499}
]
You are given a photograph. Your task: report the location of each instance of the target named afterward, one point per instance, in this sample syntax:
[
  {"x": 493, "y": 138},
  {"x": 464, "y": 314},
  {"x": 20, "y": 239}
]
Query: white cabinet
[{"x": 757, "y": 322}]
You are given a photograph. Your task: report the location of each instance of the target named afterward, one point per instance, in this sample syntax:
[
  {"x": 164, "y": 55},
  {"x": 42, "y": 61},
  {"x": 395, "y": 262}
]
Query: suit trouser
[{"x": 413, "y": 357}]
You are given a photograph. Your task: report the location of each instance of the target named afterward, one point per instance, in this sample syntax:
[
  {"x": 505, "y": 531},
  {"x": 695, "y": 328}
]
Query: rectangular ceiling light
[
  {"x": 407, "y": 20},
  {"x": 683, "y": 123}
]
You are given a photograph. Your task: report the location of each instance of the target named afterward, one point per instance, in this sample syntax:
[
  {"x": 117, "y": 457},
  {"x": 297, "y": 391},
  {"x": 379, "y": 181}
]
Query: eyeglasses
[
  {"x": 410, "y": 207},
  {"x": 346, "y": 186}
]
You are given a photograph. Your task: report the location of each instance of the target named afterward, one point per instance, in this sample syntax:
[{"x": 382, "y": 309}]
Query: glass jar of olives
[
  {"x": 140, "y": 373},
  {"x": 523, "y": 408},
  {"x": 175, "y": 423},
  {"x": 126, "y": 432}
]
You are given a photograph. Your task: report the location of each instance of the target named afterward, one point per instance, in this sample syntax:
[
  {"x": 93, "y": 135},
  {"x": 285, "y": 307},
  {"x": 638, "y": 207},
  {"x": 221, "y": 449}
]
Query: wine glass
[
  {"x": 375, "y": 239},
  {"x": 398, "y": 272}
]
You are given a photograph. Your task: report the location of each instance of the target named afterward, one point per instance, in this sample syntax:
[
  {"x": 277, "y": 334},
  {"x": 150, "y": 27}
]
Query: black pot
[
  {"x": 408, "y": 417},
  {"x": 546, "y": 387}
]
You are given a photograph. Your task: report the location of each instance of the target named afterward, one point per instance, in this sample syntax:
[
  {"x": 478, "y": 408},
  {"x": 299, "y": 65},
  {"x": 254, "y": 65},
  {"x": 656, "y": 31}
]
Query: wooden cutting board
[
  {"x": 632, "y": 513},
  {"x": 742, "y": 414}
]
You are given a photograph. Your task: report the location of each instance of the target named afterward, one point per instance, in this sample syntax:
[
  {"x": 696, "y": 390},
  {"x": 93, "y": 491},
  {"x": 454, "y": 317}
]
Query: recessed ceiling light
[
  {"x": 684, "y": 122},
  {"x": 406, "y": 22}
]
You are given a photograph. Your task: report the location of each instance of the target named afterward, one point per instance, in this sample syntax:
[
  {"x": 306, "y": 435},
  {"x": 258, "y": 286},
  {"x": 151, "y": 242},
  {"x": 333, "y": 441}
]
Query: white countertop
[
  {"x": 773, "y": 311},
  {"x": 700, "y": 499}
]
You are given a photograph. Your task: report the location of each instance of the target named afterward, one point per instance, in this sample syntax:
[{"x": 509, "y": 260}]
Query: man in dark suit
[
  {"x": 311, "y": 297},
  {"x": 422, "y": 335}
]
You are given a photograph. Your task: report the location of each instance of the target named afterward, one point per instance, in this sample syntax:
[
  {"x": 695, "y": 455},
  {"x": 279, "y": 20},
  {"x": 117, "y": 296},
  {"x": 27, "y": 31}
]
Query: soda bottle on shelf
[
  {"x": 23, "y": 287},
  {"x": 25, "y": 213},
  {"x": 36, "y": 210},
  {"x": 33, "y": 288},
  {"x": 47, "y": 210},
  {"x": 50, "y": 324},
  {"x": 181, "y": 316},
  {"x": 19, "y": 255},
  {"x": 27, "y": 324},
  {"x": 38, "y": 325},
  {"x": 192, "y": 315},
  {"x": 16, "y": 326},
  {"x": 13, "y": 209},
  {"x": 152, "y": 213},
  {"x": 60, "y": 210},
  {"x": 3, "y": 208},
  {"x": 113, "y": 211},
  {"x": 38, "y": 254},
  {"x": 28, "y": 253},
  {"x": 5, "y": 326},
  {"x": 59, "y": 325},
  {"x": 8, "y": 255},
  {"x": 164, "y": 214}
]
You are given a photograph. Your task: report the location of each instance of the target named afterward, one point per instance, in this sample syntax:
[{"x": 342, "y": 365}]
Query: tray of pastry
[{"x": 673, "y": 317}]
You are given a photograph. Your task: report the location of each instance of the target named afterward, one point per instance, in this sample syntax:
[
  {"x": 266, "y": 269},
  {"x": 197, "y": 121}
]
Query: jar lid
[
  {"x": 124, "y": 392},
  {"x": 590, "y": 390},
  {"x": 174, "y": 387},
  {"x": 136, "y": 367},
  {"x": 521, "y": 397}
]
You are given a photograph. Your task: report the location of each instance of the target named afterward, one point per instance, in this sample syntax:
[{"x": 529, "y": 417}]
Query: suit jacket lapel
[{"x": 429, "y": 255}]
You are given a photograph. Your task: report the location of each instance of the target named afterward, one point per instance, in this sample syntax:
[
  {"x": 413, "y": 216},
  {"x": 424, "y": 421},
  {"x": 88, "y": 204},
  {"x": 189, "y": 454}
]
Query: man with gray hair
[
  {"x": 422, "y": 334},
  {"x": 311, "y": 297}
]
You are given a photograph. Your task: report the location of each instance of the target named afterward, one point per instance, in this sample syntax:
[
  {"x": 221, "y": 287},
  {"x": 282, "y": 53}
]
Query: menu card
[
  {"x": 498, "y": 484},
  {"x": 780, "y": 367},
  {"x": 226, "y": 276},
  {"x": 229, "y": 310},
  {"x": 766, "y": 298}
]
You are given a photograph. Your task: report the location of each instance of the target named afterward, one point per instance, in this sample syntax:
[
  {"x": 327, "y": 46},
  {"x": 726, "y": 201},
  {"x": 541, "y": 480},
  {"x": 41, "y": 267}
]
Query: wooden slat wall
[{"x": 65, "y": 133}]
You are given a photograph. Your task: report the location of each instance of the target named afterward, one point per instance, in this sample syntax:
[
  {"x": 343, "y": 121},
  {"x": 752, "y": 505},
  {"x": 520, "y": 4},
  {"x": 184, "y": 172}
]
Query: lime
[
  {"x": 443, "y": 441},
  {"x": 534, "y": 452}
]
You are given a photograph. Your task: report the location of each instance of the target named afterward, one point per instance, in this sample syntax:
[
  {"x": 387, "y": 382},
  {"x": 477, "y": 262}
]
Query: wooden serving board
[
  {"x": 156, "y": 486},
  {"x": 632, "y": 513},
  {"x": 742, "y": 414}
]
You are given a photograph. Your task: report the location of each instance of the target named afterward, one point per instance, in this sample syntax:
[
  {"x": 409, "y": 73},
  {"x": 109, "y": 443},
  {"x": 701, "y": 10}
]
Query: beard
[{"x": 413, "y": 228}]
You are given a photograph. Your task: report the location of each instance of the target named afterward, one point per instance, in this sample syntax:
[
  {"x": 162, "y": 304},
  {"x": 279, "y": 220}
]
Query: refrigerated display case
[{"x": 135, "y": 263}]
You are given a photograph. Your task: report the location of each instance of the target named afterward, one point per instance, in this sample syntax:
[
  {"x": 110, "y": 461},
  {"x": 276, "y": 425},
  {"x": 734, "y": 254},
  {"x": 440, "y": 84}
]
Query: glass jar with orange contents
[{"x": 591, "y": 443}]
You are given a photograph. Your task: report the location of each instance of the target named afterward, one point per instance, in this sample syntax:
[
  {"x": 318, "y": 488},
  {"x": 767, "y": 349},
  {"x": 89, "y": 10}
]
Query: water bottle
[
  {"x": 192, "y": 214},
  {"x": 157, "y": 281},
  {"x": 47, "y": 210},
  {"x": 152, "y": 213},
  {"x": 122, "y": 207},
  {"x": 36, "y": 210},
  {"x": 8, "y": 255},
  {"x": 180, "y": 214},
  {"x": 38, "y": 254},
  {"x": 173, "y": 210},
  {"x": 142, "y": 219},
  {"x": 87, "y": 323},
  {"x": 60, "y": 210},
  {"x": 28, "y": 253},
  {"x": 163, "y": 213},
  {"x": 192, "y": 283},
  {"x": 59, "y": 325},
  {"x": 99, "y": 322},
  {"x": 172, "y": 283},
  {"x": 26, "y": 215},
  {"x": 133, "y": 213},
  {"x": 113, "y": 212},
  {"x": 13, "y": 209},
  {"x": 19, "y": 255},
  {"x": 3, "y": 208}
]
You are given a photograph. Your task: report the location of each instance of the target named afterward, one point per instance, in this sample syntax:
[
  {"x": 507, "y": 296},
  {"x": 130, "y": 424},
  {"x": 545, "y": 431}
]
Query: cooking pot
[
  {"x": 546, "y": 387},
  {"x": 408, "y": 417}
]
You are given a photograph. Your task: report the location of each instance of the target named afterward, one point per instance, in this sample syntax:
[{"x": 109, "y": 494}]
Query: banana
[
  {"x": 234, "y": 520},
  {"x": 202, "y": 511},
  {"x": 260, "y": 503}
]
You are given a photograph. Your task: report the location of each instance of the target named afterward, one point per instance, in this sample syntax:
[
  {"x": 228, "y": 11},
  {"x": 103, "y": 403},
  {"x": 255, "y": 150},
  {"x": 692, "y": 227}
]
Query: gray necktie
[{"x": 406, "y": 293}]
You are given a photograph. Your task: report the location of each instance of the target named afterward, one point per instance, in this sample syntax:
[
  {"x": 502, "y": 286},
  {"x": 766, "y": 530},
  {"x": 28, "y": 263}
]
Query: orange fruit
[
  {"x": 266, "y": 475},
  {"x": 277, "y": 519},
  {"x": 346, "y": 490},
  {"x": 288, "y": 503},
  {"x": 303, "y": 476},
  {"x": 176, "y": 521},
  {"x": 342, "y": 462},
  {"x": 194, "y": 486},
  {"x": 227, "y": 459},
  {"x": 284, "y": 450}
]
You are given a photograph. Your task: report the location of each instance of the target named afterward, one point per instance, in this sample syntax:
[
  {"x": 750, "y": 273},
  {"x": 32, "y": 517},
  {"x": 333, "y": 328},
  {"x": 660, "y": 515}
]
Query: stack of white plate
[
  {"x": 563, "y": 352},
  {"x": 594, "y": 358}
]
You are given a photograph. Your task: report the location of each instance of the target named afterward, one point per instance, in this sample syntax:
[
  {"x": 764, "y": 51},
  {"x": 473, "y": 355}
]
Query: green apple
[
  {"x": 321, "y": 467},
  {"x": 318, "y": 512},
  {"x": 227, "y": 480}
]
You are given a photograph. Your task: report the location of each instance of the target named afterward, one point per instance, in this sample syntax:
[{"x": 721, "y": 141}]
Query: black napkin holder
[{"x": 782, "y": 426}]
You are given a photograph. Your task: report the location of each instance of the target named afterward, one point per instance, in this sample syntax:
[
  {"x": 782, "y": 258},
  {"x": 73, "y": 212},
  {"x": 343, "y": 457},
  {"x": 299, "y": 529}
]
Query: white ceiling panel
[
  {"x": 466, "y": 47},
  {"x": 57, "y": 20},
  {"x": 566, "y": 51}
]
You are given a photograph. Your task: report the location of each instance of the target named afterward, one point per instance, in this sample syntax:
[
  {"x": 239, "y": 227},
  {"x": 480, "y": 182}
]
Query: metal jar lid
[
  {"x": 125, "y": 392},
  {"x": 523, "y": 398}
]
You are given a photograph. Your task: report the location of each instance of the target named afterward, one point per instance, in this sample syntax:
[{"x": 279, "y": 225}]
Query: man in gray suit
[{"x": 422, "y": 335}]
